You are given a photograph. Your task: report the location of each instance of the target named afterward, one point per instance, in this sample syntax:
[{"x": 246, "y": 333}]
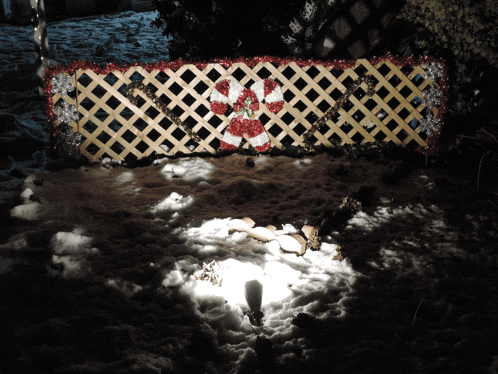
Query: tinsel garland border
[{"x": 251, "y": 62}]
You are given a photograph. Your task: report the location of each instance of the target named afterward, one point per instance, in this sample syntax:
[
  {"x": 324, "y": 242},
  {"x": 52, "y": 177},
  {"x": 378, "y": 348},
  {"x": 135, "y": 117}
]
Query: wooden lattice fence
[{"x": 325, "y": 103}]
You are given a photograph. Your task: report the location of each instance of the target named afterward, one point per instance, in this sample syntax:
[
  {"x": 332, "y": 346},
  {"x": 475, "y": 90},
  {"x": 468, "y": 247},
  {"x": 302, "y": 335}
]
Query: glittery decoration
[
  {"x": 66, "y": 112},
  {"x": 160, "y": 105},
  {"x": 70, "y": 69},
  {"x": 339, "y": 103},
  {"x": 432, "y": 97},
  {"x": 62, "y": 84},
  {"x": 433, "y": 71},
  {"x": 430, "y": 124},
  {"x": 71, "y": 141}
]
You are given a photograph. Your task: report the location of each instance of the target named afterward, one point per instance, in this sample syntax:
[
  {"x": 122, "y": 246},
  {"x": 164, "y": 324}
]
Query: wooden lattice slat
[{"x": 112, "y": 126}]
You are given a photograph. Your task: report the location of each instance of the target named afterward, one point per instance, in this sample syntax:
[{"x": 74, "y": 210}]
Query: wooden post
[{"x": 39, "y": 21}]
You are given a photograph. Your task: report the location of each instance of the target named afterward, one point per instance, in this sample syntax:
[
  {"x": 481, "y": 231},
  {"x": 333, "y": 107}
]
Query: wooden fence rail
[{"x": 171, "y": 112}]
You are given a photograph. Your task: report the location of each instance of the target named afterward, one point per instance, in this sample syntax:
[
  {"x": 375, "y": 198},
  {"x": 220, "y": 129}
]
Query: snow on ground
[{"x": 102, "y": 265}]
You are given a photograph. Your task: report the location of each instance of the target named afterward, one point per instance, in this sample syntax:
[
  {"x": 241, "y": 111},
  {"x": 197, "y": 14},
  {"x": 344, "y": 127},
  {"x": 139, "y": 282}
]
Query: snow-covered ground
[{"x": 102, "y": 266}]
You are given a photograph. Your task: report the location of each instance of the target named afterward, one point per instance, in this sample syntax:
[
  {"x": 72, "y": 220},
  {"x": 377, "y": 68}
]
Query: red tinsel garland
[{"x": 251, "y": 62}]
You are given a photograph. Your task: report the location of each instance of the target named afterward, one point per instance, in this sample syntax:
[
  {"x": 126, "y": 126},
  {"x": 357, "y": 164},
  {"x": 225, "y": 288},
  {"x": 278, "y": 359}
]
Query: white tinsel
[
  {"x": 309, "y": 10},
  {"x": 295, "y": 26},
  {"x": 433, "y": 71},
  {"x": 66, "y": 112},
  {"x": 62, "y": 84},
  {"x": 430, "y": 124},
  {"x": 432, "y": 97}
]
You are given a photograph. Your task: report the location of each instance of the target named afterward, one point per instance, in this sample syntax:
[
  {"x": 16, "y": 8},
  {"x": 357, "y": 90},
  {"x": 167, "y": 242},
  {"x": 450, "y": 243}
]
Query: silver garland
[
  {"x": 433, "y": 70},
  {"x": 432, "y": 97},
  {"x": 62, "y": 84},
  {"x": 430, "y": 124},
  {"x": 66, "y": 112}
]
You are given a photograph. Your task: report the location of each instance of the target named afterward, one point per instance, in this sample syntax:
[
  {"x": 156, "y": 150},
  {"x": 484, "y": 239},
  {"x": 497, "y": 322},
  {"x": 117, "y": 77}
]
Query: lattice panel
[{"x": 112, "y": 126}]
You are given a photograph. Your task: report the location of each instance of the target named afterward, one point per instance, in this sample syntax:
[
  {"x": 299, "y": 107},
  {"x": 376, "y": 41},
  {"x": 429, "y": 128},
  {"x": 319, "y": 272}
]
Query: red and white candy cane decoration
[{"x": 245, "y": 105}]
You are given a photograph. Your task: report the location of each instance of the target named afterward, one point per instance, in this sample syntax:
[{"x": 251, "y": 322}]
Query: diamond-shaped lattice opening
[
  {"x": 130, "y": 158},
  {"x": 370, "y": 104},
  {"x": 84, "y": 79},
  {"x": 287, "y": 139},
  {"x": 99, "y": 91},
  {"x": 417, "y": 80},
  {"x": 152, "y": 112},
  {"x": 311, "y": 117},
  {"x": 324, "y": 83},
  {"x": 263, "y": 73},
  {"x": 113, "y": 103},
  {"x": 140, "y": 124},
  {"x": 165, "y": 123},
  {"x": 287, "y": 118},
  {"x": 382, "y": 92},
  {"x": 191, "y": 145},
  {"x": 395, "y": 81},
  {"x": 215, "y": 121},
  {"x": 335, "y": 138},
  {"x": 165, "y": 99},
  {"x": 348, "y": 105},
  {"x": 264, "y": 119},
  {"x": 288, "y": 96},
  {"x": 381, "y": 114},
  {"x": 404, "y": 113},
  {"x": 175, "y": 88},
  {"x": 312, "y": 95},
  {"x": 152, "y": 87},
  {"x": 414, "y": 123},
  {"x": 348, "y": 81},
  {"x": 178, "y": 134},
  {"x": 288, "y": 72},
  {"x": 405, "y": 91},
  {"x": 299, "y": 129},
  {"x": 117, "y": 147},
  {"x": 136, "y": 77},
  {"x": 300, "y": 106},
  {"x": 358, "y": 138},
  {"x": 104, "y": 137},
  {"x": 203, "y": 133},
  {"x": 407, "y": 69},
  {"x": 215, "y": 143},
  {"x": 188, "y": 76},
  {"x": 249, "y": 83},
  {"x": 153, "y": 135},
  {"x": 92, "y": 149},
  {"x": 166, "y": 145},
  {"x": 189, "y": 99},
  {"x": 324, "y": 129},
  {"x": 346, "y": 127},
  {"x": 384, "y": 70},
  {"x": 336, "y": 73},
  {"x": 360, "y": 70},
  {"x": 201, "y": 87},
  {"x": 275, "y": 130},
  {"x": 214, "y": 75},
  {"x": 380, "y": 136},
  {"x": 190, "y": 121},
  {"x": 115, "y": 125},
  {"x": 391, "y": 125},
  {"x": 312, "y": 71},
  {"x": 101, "y": 114},
  {"x": 412, "y": 145},
  {"x": 87, "y": 104},
  {"x": 300, "y": 84},
  {"x": 162, "y": 77},
  {"x": 239, "y": 74},
  {"x": 142, "y": 147},
  {"x": 358, "y": 116},
  {"x": 127, "y": 113},
  {"x": 336, "y": 94},
  {"x": 359, "y": 93},
  {"x": 324, "y": 106},
  {"x": 129, "y": 136},
  {"x": 416, "y": 101},
  {"x": 177, "y": 110},
  {"x": 402, "y": 135},
  {"x": 202, "y": 110},
  {"x": 90, "y": 127},
  {"x": 393, "y": 103}
]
